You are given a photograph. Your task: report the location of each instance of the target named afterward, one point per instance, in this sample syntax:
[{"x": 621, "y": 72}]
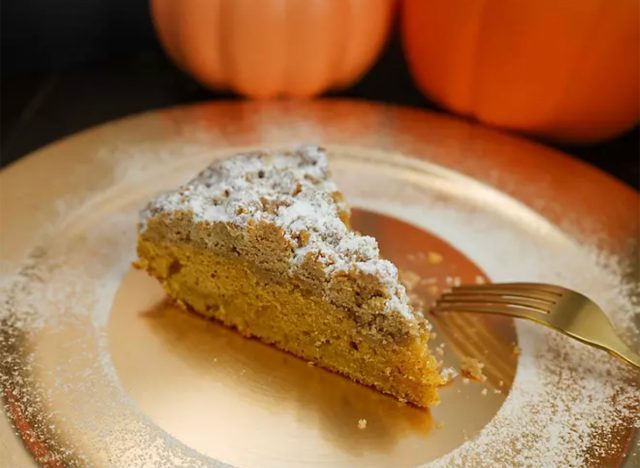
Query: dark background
[{"x": 71, "y": 64}]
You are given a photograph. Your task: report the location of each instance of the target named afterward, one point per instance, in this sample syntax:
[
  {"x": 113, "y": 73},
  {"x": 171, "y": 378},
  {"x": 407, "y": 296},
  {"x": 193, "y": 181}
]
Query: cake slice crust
[{"x": 261, "y": 242}]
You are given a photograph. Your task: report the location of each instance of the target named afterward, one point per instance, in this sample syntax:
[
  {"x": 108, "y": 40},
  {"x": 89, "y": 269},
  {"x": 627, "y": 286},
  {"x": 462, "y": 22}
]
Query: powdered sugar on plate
[{"x": 569, "y": 405}]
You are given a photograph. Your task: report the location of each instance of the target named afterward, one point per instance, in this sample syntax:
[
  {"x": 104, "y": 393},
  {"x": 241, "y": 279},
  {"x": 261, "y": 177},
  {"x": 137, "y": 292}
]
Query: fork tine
[
  {"x": 550, "y": 288},
  {"x": 497, "y": 309},
  {"x": 541, "y": 296},
  {"x": 543, "y": 292},
  {"x": 539, "y": 305}
]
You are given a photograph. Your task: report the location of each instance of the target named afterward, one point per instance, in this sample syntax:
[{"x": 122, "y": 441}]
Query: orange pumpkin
[
  {"x": 267, "y": 48},
  {"x": 565, "y": 70}
]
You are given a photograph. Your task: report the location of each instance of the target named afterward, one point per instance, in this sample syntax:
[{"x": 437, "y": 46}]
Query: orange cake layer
[{"x": 261, "y": 242}]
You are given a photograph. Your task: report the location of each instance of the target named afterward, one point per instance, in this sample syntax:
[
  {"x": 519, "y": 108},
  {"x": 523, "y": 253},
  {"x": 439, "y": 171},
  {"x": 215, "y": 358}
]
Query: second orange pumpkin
[
  {"x": 565, "y": 70},
  {"x": 267, "y": 48}
]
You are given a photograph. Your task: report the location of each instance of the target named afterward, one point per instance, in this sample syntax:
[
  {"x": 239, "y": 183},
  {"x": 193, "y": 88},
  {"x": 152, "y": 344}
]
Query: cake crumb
[
  {"x": 472, "y": 369},
  {"x": 516, "y": 350},
  {"x": 362, "y": 424},
  {"x": 484, "y": 392},
  {"x": 448, "y": 374},
  {"x": 311, "y": 363},
  {"x": 480, "y": 280},
  {"x": 465, "y": 380}
]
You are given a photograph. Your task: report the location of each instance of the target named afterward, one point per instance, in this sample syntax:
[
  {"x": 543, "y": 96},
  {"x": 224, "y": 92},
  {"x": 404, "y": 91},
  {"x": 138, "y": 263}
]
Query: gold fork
[{"x": 556, "y": 307}]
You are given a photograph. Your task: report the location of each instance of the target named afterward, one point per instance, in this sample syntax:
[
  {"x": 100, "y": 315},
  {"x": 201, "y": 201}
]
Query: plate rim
[{"x": 584, "y": 173}]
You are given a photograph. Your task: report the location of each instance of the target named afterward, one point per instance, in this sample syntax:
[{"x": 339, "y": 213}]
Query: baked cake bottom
[{"x": 281, "y": 313}]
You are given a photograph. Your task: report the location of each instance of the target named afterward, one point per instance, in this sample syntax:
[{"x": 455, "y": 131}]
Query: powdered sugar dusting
[
  {"x": 290, "y": 189},
  {"x": 568, "y": 404}
]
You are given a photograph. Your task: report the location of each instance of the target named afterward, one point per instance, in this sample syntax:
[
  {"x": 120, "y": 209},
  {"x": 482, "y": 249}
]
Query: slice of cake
[{"x": 262, "y": 243}]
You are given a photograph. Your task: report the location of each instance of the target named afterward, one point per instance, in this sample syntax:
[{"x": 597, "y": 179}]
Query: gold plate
[{"x": 98, "y": 369}]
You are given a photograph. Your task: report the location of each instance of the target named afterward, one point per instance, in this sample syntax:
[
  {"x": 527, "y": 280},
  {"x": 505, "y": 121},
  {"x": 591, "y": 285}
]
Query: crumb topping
[
  {"x": 472, "y": 368},
  {"x": 291, "y": 190}
]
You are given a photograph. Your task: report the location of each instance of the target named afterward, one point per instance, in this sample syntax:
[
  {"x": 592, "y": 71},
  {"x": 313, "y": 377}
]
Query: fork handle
[
  {"x": 621, "y": 350},
  {"x": 609, "y": 341}
]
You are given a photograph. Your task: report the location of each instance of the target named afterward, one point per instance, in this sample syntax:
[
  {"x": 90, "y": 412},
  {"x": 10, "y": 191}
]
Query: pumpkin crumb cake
[{"x": 262, "y": 243}]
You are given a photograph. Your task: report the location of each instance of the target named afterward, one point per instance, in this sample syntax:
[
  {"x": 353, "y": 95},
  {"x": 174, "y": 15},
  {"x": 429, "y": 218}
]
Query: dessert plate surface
[{"x": 98, "y": 368}]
